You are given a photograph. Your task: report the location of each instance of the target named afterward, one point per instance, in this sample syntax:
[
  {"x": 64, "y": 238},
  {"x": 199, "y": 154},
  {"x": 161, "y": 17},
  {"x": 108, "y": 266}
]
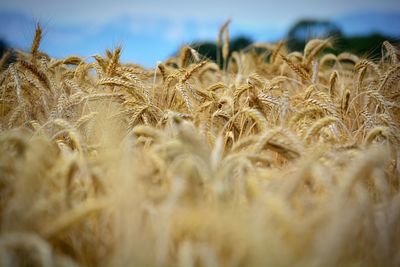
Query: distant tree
[
  {"x": 304, "y": 30},
  {"x": 239, "y": 43},
  {"x": 206, "y": 49},
  {"x": 367, "y": 45},
  {"x": 209, "y": 49},
  {"x": 3, "y": 49}
]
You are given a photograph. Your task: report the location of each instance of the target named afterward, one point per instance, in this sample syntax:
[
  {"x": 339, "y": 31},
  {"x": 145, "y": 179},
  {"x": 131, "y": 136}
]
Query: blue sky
[{"x": 152, "y": 30}]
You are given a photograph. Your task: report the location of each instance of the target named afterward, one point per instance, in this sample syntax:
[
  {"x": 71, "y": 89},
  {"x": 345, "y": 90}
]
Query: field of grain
[{"x": 272, "y": 159}]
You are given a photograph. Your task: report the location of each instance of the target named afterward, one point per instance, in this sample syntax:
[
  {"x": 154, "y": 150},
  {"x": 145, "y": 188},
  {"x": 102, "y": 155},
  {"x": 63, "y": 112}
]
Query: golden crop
[{"x": 277, "y": 159}]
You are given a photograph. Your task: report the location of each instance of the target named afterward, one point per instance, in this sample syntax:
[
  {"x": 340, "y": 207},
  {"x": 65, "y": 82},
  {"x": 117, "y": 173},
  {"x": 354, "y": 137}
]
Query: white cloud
[
  {"x": 175, "y": 33},
  {"x": 260, "y": 11},
  {"x": 206, "y": 33}
]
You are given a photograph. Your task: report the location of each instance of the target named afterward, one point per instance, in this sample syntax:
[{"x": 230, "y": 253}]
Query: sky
[{"x": 152, "y": 30}]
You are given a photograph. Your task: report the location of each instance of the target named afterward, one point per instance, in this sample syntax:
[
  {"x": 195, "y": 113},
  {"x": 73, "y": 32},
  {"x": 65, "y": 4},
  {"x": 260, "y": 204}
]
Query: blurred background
[{"x": 152, "y": 30}]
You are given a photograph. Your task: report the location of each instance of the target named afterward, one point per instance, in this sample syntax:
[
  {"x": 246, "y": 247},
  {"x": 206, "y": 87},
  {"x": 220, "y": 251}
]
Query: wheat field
[{"x": 270, "y": 158}]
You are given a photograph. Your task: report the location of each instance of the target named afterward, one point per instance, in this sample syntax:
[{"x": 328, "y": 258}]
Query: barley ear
[
  {"x": 36, "y": 40},
  {"x": 219, "y": 40}
]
